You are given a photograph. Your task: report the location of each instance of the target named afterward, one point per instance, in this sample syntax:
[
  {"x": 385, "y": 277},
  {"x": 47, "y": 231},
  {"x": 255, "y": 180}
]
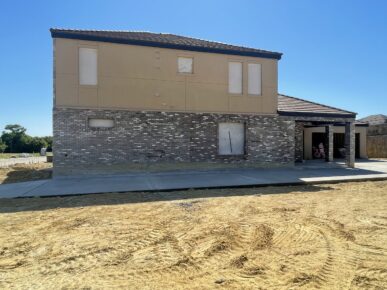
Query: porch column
[
  {"x": 350, "y": 144},
  {"x": 329, "y": 143},
  {"x": 299, "y": 142}
]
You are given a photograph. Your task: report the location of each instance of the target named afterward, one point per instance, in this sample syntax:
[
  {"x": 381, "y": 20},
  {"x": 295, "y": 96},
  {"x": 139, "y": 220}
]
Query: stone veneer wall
[
  {"x": 299, "y": 141},
  {"x": 164, "y": 137}
]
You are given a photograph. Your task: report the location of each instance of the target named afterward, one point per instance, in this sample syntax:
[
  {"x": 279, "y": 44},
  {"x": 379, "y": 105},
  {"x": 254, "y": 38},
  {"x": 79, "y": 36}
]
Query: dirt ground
[
  {"x": 301, "y": 237},
  {"x": 25, "y": 172}
]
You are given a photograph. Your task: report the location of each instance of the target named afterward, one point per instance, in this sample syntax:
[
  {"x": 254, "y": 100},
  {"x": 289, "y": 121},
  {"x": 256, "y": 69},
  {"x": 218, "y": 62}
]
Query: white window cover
[
  {"x": 254, "y": 79},
  {"x": 87, "y": 66},
  {"x": 101, "y": 123},
  {"x": 235, "y": 77},
  {"x": 185, "y": 64},
  {"x": 231, "y": 139}
]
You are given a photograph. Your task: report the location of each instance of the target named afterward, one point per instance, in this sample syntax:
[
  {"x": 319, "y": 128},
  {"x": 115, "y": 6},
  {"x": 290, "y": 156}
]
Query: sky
[{"x": 334, "y": 52}]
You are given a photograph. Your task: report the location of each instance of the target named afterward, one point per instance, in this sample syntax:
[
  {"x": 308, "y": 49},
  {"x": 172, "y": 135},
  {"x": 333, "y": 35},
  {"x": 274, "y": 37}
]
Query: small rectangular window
[
  {"x": 235, "y": 77},
  {"x": 254, "y": 79},
  {"x": 101, "y": 123},
  {"x": 231, "y": 139},
  {"x": 185, "y": 64},
  {"x": 87, "y": 66}
]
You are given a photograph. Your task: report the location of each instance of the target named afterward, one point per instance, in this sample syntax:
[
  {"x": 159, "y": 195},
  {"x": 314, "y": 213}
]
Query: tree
[
  {"x": 48, "y": 139},
  {"x": 14, "y": 137},
  {"x": 15, "y": 129},
  {"x": 16, "y": 140},
  {"x": 36, "y": 143},
  {"x": 3, "y": 146}
]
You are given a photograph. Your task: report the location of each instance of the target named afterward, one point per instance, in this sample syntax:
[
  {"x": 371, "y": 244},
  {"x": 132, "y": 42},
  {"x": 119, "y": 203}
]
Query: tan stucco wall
[
  {"x": 146, "y": 78},
  {"x": 308, "y": 139}
]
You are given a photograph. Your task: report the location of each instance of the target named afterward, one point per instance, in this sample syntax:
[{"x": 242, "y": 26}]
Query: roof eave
[
  {"x": 70, "y": 35},
  {"x": 312, "y": 114}
]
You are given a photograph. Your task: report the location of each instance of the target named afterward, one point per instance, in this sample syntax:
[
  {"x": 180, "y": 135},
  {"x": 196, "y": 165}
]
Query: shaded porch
[{"x": 326, "y": 140}]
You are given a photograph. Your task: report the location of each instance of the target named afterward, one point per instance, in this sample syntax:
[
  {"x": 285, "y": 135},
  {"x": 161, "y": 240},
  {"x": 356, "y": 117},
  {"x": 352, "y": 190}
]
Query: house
[
  {"x": 375, "y": 119},
  {"x": 133, "y": 98}
]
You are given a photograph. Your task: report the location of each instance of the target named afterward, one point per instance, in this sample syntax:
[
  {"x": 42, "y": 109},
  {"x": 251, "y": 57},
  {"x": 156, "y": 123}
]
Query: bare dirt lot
[
  {"x": 25, "y": 172},
  {"x": 306, "y": 237}
]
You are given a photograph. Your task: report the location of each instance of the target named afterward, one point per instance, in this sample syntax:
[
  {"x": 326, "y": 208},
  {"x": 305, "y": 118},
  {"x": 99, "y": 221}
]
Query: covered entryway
[
  {"x": 339, "y": 145},
  {"x": 315, "y": 137},
  {"x": 312, "y": 117},
  {"x": 316, "y": 140},
  {"x": 319, "y": 139}
]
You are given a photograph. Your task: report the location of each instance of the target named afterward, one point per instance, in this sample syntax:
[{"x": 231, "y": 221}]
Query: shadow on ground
[
  {"x": 106, "y": 199},
  {"x": 22, "y": 173}
]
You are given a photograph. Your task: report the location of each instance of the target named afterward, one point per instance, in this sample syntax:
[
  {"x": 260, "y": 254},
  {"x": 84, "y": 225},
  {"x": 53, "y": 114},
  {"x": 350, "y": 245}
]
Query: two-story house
[{"x": 126, "y": 99}]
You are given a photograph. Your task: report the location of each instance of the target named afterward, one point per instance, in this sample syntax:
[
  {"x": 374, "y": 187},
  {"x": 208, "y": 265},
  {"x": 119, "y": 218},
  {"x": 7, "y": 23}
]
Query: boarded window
[
  {"x": 235, "y": 77},
  {"x": 231, "y": 139},
  {"x": 254, "y": 79},
  {"x": 185, "y": 64},
  {"x": 87, "y": 66},
  {"x": 101, "y": 123}
]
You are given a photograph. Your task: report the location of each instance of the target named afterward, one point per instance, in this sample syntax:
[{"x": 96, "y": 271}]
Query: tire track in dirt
[
  {"x": 375, "y": 221},
  {"x": 114, "y": 254},
  {"x": 340, "y": 262}
]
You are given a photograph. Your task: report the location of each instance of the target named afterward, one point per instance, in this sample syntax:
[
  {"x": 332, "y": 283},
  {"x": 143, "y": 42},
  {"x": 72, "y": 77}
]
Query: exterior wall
[
  {"x": 147, "y": 137},
  {"x": 299, "y": 141},
  {"x": 146, "y": 78},
  {"x": 377, "y": 141},
  {"x": 336, "y": 129}
]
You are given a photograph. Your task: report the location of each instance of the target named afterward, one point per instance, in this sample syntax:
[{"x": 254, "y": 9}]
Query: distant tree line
[{"x": 15, "y": 140}]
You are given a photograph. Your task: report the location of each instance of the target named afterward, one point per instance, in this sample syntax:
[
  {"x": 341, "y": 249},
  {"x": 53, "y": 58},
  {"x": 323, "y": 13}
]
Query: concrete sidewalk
[{"x": 312, "y": 173}]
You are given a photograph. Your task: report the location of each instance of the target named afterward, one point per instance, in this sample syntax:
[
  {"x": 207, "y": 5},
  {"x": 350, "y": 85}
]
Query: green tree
[
  {"x": 3, "y": 146},
  {"x": 36, "y": 143},
  {"x": 15, "y": 129},
  {"x": 14, "y": 136},
  {"x": 48, "y": 139},
  {"x": 16, "y": 140}
]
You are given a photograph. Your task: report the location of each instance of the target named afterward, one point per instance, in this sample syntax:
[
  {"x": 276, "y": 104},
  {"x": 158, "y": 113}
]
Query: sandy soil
[
  {"x": 302, "y": 237},
  {"x": 25, "y": 172}
]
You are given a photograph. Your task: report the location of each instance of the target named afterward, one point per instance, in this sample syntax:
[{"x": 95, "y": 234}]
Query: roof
[
  {"x": 162, "y": 40},
  {"x": 360, "y": 123},
  {"x": 292, "y": 106},
  {"x": 375, "y": 119}
]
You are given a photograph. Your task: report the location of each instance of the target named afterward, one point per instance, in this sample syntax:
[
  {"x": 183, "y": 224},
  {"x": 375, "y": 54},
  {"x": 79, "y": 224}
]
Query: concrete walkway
[{"x": 312, "y": 173}]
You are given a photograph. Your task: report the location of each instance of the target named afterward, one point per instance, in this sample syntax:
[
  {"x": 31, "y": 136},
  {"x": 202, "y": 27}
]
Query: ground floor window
[{"x": 231, "y": 138}]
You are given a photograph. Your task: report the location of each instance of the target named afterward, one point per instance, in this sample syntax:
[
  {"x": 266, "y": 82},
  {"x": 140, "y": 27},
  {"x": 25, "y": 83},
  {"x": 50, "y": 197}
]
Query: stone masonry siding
[
  {"x": 150, "y": 137},
  {"x": 299, "y": 141}
]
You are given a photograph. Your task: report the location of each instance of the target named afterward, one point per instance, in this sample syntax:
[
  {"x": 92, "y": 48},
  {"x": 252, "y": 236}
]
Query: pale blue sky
[{"x": 335, "y": 52}]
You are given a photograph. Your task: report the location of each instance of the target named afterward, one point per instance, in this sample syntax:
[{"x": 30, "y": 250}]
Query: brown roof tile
[
  {"x": 164, "y": 40},
  {"x": 291, "y": 105}
]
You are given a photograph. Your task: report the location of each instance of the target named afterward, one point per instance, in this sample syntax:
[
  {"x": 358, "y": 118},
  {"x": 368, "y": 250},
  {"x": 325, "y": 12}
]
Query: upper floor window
[
  {"x": 254, "y": 79},
  {"x": 87, "y": 66},
  {"x": 235, "y": 77},
  {"x": 185, "y": 65}
]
